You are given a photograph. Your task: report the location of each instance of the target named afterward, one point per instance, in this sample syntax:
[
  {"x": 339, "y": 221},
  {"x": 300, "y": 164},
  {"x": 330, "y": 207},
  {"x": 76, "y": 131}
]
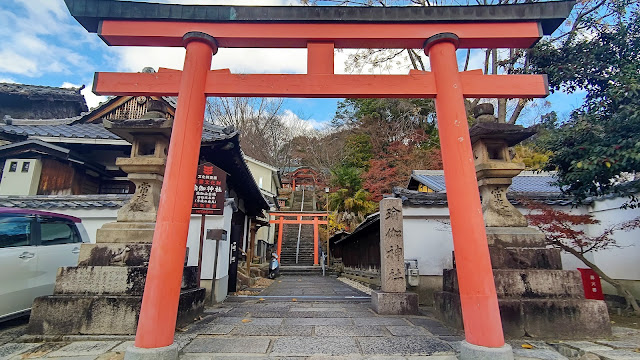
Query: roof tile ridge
[{"x": 39, "y": 122}]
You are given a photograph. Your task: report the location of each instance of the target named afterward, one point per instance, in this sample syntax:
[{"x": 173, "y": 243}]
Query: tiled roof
[
  {"x": 171, "y": 100},
  {"x": 417, "y": 198},
  {"x": 38, "y": 92},
  {"x": 211, "y": 132},
  {"x": 106, "y": 201},
  {"x": 97, "y": 131},
  {"x": 86, "y": 131},
  {"x": 525, "y": 182}
]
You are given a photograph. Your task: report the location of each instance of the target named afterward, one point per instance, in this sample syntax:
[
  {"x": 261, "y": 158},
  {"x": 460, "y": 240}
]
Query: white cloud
[
  {"x": 16, "y": 64},
  {"x": 40, "y": 38},
  {"x": 292, "y": 120},
  {"x": 7, "y": 81},
  {"x": 68, "y": 85},
  {"x": 92, "y": 99},
  {"x": 238, "y": 60}
]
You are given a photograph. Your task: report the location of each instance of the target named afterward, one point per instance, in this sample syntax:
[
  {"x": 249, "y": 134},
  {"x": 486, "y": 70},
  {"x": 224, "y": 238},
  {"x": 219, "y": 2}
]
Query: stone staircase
[{"x": 290, "y": 234}]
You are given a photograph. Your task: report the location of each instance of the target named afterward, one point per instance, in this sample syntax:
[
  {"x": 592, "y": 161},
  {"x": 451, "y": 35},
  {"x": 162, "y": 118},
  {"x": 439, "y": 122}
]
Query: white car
[{"x": 33, "y": 245}]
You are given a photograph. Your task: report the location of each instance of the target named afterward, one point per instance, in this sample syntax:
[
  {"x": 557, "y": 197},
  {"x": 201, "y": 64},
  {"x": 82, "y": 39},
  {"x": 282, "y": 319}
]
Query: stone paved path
[
  {"x": 311, "y": 286},
  {"x": 334, "y": 328}
]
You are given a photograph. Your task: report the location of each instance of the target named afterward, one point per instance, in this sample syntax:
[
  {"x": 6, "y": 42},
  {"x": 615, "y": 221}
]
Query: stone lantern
[
  {"x": 149, "y": 138},
  {"x": 103, "y": 294},
  {"x": 536, "y": 297},
  {"x": 494, "y": 167}
]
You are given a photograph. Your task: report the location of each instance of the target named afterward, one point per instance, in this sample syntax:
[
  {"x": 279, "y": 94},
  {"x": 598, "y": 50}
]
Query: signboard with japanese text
[
  {"x": 208, "y": 192},
  {"x": 591, "y": 284}
]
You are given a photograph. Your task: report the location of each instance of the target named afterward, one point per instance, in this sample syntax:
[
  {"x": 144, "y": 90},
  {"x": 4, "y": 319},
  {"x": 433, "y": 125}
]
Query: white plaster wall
[
  {"x": 209, "y": 246},
  {"x": 262, "y": 176},
  {"x": 427, "y": 237},
  {"x": 93, "y": 219},
  {"x": 621, "y": 262}
]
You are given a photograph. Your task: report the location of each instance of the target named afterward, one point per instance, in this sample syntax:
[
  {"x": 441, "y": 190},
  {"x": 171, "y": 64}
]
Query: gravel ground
[{"x": 356, "y": 285}]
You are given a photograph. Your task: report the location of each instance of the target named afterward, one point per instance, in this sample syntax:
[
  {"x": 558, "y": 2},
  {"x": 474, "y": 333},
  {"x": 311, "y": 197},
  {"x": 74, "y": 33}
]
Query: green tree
[
  {"x": 358, "y": 151},
  {"x": 599, "y": 142}
]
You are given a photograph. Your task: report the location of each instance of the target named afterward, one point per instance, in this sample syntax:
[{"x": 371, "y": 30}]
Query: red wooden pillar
[
  {"x": 157, "y": 320},
  {"x": 481, "y": 315},
  {"x": 315, "y": 241},
  {"x": 280, "y": 231}
]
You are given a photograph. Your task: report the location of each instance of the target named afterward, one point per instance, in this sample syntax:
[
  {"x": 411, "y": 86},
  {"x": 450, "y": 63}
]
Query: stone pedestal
[
  {"x": 393, "y": 298},
  {"x": 390, "y": 303},
  {"x": 536, "y": 297},
  {"x": 103, "y": 294}
]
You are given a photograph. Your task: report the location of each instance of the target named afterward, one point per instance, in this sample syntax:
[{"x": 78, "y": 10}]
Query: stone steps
[{"x": 111, "y": 280}]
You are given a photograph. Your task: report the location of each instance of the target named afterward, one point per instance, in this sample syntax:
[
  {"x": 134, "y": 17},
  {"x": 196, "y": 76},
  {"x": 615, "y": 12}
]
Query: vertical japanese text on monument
[
  {"x": 139, "y": 202},
  {"x": 392, "y": 247},
  {"x": 209, "y": 189}
]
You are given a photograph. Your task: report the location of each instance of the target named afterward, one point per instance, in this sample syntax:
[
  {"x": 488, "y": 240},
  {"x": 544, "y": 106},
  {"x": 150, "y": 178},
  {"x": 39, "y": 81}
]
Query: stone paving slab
[
  {"x": 406, "y": 330},
  {"x": 84, "y": 348},
  {"x": 620, "y": 344},
  {"x": 409, "y": 345},
  {"x": 382, "y": 357},
  {"x": 9, "y": 350},
  {"x": 308, "y": 346},
  {"x": 248, "y": 320},
  {"x": 302, "y": 314},
  {"x": 585, "y": 346},
  {"x": 617, "y": 354},
  {"x": 123, "y": 346},
  {"x": 351, "y": 331},
  {"x": 236, "y": 344},
  {"x": 215, "y": 329},
  {"x": 321, "y": 321},
  {"x": 380, "y": 321},
  {"x": 224, "y": 357},
  {"x": 328, "y": 309},
  {"x": 538, "y": 354},
  {"x": 266, "y": 330},
  {"x": 181, "y": 340},
  {"x": 217, "y": 310},
  {"x": 433, "y": 326},
  {"x": 40, "y": 351}
]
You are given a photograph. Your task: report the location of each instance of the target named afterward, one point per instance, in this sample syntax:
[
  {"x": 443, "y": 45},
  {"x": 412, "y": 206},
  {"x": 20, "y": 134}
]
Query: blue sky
[{"x": 43, "y": 45}]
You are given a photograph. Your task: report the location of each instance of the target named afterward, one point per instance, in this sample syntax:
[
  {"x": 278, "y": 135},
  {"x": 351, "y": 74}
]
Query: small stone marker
[
  {"x": 391, "y": 246},
  {"x": 392, "y": 299}
]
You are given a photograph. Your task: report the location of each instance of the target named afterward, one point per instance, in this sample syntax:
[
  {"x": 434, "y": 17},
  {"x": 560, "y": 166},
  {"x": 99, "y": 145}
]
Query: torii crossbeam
[{"x": 439, "y": 30}]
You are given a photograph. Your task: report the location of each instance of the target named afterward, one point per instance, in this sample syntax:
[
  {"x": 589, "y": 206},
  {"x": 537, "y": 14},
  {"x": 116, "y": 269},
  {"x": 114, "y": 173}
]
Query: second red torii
[{"x": 298, "y": 220}]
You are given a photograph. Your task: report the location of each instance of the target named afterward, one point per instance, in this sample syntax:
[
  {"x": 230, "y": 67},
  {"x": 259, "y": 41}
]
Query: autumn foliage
[{"x": 568, "y": 232}]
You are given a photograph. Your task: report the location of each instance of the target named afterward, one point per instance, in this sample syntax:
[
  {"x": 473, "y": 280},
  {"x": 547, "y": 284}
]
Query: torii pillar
[
  {"x": 156, "y": 325},
  {"x": 481, "y": 315}
]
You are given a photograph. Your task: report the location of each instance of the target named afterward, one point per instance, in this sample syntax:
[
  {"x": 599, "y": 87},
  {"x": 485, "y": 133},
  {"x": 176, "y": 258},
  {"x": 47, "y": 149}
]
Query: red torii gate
[
  {"x": 280, "y": 220},
  {"x": 438, "y": 30}
]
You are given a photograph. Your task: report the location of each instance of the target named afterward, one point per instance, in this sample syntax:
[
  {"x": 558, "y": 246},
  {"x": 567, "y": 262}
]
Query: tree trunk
[{"x": 622, "y": 291}]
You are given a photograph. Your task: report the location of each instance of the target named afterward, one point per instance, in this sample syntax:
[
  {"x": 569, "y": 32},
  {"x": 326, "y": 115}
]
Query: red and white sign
[
  {"x": 208, "y": 192},
  {"x": 591, "y": 284}
]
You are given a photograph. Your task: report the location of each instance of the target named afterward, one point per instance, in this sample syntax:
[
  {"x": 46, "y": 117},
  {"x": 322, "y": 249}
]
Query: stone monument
[
  {"x": 392, "y": 299},
  {"x": 103, "y": 294},
  {"x": 536, "y": 297}
]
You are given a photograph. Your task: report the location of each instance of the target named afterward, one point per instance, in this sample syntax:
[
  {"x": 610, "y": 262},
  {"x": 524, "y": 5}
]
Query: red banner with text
[{"x": 209, "y": 190}]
